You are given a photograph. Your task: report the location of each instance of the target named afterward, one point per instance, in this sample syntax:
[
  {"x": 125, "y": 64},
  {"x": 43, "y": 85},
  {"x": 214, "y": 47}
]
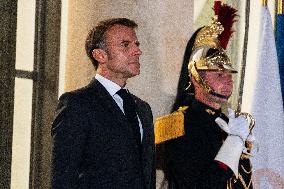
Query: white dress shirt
[{"x": 112, "y": 89}]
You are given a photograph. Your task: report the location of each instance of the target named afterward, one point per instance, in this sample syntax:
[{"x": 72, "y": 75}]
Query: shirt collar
[{"x": 109, "y": 85}]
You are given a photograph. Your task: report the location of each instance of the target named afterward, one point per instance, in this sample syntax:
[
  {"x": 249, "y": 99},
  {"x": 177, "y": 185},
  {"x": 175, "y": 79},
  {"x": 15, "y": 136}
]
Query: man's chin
[{"x": 134, "y": 73}]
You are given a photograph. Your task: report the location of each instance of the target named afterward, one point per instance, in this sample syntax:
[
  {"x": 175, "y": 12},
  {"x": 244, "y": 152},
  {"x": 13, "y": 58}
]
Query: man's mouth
[{"x": 134, "y": 62}]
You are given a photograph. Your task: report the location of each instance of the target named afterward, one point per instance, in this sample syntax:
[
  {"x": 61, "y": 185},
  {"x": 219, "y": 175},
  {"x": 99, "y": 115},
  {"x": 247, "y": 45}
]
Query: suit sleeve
[{"x": 69, "y": 136}]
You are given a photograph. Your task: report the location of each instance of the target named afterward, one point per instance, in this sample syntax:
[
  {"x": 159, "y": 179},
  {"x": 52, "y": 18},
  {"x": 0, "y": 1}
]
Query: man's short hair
[{"x": 96, "y": 36}]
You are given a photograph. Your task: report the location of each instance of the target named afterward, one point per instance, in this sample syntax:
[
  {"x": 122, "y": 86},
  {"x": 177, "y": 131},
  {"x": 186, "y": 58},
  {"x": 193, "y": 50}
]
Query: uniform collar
[{"x": 203, "y": 108}]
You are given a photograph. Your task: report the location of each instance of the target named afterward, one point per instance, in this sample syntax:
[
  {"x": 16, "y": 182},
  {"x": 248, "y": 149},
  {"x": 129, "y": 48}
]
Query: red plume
[{"x": 226, "y": 16}]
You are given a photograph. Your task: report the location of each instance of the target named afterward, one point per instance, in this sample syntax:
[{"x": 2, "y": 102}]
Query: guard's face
[
  {"x": 122, "y": 52},
  {"x": 221, "y": 83}
]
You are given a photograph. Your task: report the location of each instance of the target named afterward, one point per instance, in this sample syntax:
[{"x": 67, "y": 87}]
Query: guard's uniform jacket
[{"x": 190, "y": 158}]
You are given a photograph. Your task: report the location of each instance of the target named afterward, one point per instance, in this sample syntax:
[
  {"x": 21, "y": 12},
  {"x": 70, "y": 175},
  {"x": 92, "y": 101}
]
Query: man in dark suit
[{"x": 103, "y": 135}]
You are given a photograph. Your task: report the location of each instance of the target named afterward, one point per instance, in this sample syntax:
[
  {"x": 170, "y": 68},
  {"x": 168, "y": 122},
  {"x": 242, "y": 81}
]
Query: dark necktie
[{"x": 130, "y": 113}]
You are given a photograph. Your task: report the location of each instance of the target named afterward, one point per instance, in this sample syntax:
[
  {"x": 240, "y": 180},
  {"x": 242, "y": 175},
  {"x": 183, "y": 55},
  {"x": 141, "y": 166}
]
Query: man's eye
[
  {"x": 124, "y": 44},
  {"x": 220, "y": 75},
  {"x": 137, "y": 43}
]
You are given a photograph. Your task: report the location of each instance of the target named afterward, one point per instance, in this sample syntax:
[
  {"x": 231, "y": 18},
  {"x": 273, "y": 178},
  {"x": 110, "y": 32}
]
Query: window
[
  {"x": 28, "y": 90},
  {"x": 23, "y": 94}
]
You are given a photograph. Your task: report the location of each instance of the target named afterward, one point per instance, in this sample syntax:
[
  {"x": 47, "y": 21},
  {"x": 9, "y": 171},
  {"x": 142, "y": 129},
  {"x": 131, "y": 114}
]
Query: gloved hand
[{"x": 238, "y": 126}]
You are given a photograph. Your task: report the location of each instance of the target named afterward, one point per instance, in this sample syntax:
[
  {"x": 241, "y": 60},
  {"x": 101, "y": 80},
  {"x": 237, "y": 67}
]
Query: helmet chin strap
[{"x": 218, "y": 95}]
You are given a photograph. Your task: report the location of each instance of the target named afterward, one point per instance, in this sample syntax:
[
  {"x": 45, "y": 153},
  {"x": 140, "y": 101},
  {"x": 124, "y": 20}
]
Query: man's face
[
  {"x": 122, "y": 52},
  {"x": 221, "y": 83}
]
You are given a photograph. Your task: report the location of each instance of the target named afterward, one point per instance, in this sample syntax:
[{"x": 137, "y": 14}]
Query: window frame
[{"x": 45, "y": 87}]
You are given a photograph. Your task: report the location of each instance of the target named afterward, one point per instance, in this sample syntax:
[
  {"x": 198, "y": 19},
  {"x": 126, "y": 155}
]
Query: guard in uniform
[{"x": 204, "y": 148}]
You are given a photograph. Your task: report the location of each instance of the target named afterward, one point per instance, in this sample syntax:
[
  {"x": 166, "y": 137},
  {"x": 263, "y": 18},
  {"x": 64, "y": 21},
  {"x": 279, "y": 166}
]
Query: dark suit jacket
[{"x": 94, "y": 146}]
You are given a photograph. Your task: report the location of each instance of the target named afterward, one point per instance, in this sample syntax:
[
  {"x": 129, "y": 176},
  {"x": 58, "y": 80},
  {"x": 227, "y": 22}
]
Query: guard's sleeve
[
  {"x": 222, "y": 165},
  {"x": 218, "y": 175}
]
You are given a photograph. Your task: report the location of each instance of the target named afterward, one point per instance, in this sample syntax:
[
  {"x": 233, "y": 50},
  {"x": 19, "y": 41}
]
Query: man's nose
[
  {"x": 230, "y": 81},
  {"x": 137, "y": 51}
]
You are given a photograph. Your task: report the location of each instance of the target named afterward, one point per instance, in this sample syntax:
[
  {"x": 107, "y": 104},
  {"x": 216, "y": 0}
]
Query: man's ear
[
  {"x": 193, "y": 81},
  {"x": 195, "y": 84},
  {"x": 100, "y": 55}
]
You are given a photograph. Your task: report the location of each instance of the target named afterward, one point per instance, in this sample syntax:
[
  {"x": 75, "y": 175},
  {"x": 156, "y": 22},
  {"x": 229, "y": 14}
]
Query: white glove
[
  {"x": 230, "y": 153},
  {"x": 237, "y": 126}
]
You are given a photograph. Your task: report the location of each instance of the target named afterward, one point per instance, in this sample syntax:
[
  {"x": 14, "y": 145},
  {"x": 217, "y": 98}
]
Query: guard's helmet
[
  {"x": 201, "y": 60},
  {"x": 205, "y": 51}
]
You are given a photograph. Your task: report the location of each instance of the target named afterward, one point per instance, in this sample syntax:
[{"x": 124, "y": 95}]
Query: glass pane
[
  {"x": 25, "y": 35},
  {"x": 21, "y": 134},
  {"x": 63, "y": 47}
]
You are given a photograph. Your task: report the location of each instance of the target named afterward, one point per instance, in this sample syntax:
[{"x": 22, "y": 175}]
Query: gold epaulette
[{"x": 170, "y": 126}]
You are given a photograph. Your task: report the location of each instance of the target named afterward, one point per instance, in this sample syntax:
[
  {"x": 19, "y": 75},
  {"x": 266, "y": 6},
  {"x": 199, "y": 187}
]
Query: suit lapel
[
  {"x": 102, "y": 97},
  {"x": 106, "y": 100}
]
